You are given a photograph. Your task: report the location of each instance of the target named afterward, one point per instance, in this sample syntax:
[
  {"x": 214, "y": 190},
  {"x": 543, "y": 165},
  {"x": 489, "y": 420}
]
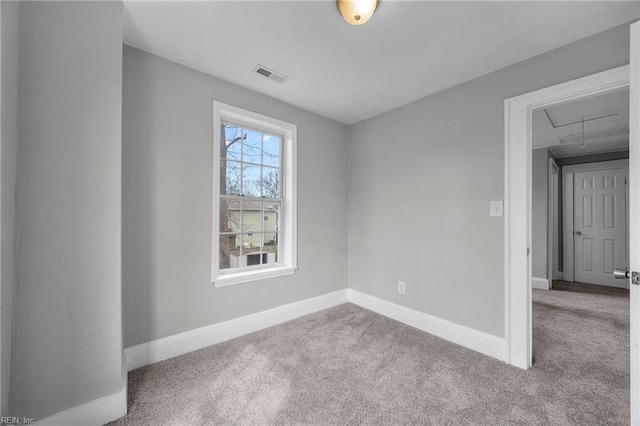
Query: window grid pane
[
  {"x": 271, "y": 148},
  {"x": 230, "y": 173},
  {"x": 251, "y": 146},
  {"x": 231, "y": 251},
  {"x": 249, "y": 198},
  {"x": 251, "y": 182}
]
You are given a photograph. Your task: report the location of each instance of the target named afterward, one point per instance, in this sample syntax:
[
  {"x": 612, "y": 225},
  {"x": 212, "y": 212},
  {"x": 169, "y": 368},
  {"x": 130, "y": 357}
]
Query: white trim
[
  {"x": 182, "y": 343},
  {"x": 597, "y": 166},
  {"x": 255, "y": 275},
  {"x": 552, "y": 217},
  {"x": 97, "y": 412},
  {"x": 634, "y": 212},
  {"x": 540, "y": 283},
  {"x": 568, "y": 172},
  {"x": 484, "y": 343},
  {"x": 628, "y": 221},
  {"x": 2, "y": 373},
  {"x": 518, "y": 115},
  {"x": 567, "y": 223},
  {"x": 289, "y": 218}
]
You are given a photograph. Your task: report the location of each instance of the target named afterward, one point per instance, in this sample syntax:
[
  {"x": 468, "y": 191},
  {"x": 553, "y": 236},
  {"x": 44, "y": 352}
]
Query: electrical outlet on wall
[{"x": 401, "y": 286}]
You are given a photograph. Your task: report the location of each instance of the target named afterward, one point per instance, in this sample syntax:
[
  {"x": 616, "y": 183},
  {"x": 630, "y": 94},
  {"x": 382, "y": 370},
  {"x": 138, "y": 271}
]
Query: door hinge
[{"x": 527, "y": 251}]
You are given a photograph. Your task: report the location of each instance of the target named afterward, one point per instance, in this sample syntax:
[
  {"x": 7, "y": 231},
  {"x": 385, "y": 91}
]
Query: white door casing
[
  {"x": 517, "y": 212},
  {"x": 599, "y": 228},
  {"x": 634, "y": 217},
  {"x": 2, "y": 373},
  {"x": 552, "y": 223}
]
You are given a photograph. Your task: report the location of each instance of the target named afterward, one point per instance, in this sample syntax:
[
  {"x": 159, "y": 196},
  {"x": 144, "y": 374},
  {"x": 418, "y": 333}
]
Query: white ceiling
[
  {"x": 606, "y": 125},
  {"x": 409, "y": 49}
]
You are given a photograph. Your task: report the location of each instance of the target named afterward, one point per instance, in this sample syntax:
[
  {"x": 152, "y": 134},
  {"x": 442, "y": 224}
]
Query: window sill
[{"x": 249, "y": 276}]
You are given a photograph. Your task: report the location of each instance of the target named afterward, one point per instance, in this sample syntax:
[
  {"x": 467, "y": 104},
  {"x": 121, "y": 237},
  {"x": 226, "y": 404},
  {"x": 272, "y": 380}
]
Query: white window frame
[{"x": 289, "y": 215}]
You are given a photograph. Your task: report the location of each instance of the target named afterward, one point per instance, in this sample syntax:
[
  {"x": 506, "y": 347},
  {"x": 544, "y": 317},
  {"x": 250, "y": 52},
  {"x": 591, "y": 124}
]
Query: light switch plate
[{"x": 495, "y": 208}]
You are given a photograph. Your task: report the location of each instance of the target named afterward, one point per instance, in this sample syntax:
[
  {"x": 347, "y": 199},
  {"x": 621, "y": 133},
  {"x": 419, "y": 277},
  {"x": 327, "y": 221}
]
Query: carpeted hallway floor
[{"x": 347, "y": 365}]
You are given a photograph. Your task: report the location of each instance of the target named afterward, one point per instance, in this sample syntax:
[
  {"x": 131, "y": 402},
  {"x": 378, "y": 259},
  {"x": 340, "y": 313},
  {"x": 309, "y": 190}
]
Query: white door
[
  {"x": 634, "y": 215},
  {"x": 599, "y": 226}
]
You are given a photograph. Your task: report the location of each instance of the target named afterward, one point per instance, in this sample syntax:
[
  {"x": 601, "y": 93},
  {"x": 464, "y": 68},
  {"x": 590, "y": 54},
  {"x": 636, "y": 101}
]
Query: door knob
[
  {"x": 620, "y": 273},
  {"x": 578, "y": 233},
  {"x": 624, "y": 274}
]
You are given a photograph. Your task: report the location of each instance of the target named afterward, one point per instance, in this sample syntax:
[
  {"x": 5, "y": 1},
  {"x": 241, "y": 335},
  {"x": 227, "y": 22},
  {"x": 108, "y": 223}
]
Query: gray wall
[
  {"x": 9, "y": 140},
  {"x": 167, "y": 217},
  {"x": 421, "y": 178},
  {"x": 67, "y": 347}
]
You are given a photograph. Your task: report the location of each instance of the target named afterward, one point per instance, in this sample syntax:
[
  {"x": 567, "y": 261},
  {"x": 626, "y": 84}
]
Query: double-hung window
[{"x": 254, "y": 196}]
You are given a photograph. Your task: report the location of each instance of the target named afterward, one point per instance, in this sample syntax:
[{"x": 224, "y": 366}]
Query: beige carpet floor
[{"x": 347, "y": 365}]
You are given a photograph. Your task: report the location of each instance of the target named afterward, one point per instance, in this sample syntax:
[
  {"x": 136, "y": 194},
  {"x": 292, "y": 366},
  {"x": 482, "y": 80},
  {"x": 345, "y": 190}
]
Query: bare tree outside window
[{"x": 250, "y": 197}]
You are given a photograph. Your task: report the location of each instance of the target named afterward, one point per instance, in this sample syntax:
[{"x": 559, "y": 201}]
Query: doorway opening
[
  {"x": 579, "y": 220},
  {"x": 579, "y": 208},
  {"x": 518, "y": 177},
  {"x": 518, "y": 202}
]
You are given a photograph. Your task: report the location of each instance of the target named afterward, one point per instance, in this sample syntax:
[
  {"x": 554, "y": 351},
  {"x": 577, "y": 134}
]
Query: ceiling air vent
[{"x": 270, "y": 74}]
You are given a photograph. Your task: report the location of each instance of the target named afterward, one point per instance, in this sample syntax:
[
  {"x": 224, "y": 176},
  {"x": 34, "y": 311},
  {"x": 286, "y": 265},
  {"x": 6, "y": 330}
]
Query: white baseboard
[
  {"x": 479, "y": 341},
  {"x": 182, "y": 343},
  {"x": 97, "y": 412},
  {"x": 112, "y": 407},
  {"x": 540, "y": 283}
]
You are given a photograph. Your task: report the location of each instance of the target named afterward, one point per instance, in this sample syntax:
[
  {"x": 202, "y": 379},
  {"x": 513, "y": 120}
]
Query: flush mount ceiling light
[{"x": 356, "y": 12}]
